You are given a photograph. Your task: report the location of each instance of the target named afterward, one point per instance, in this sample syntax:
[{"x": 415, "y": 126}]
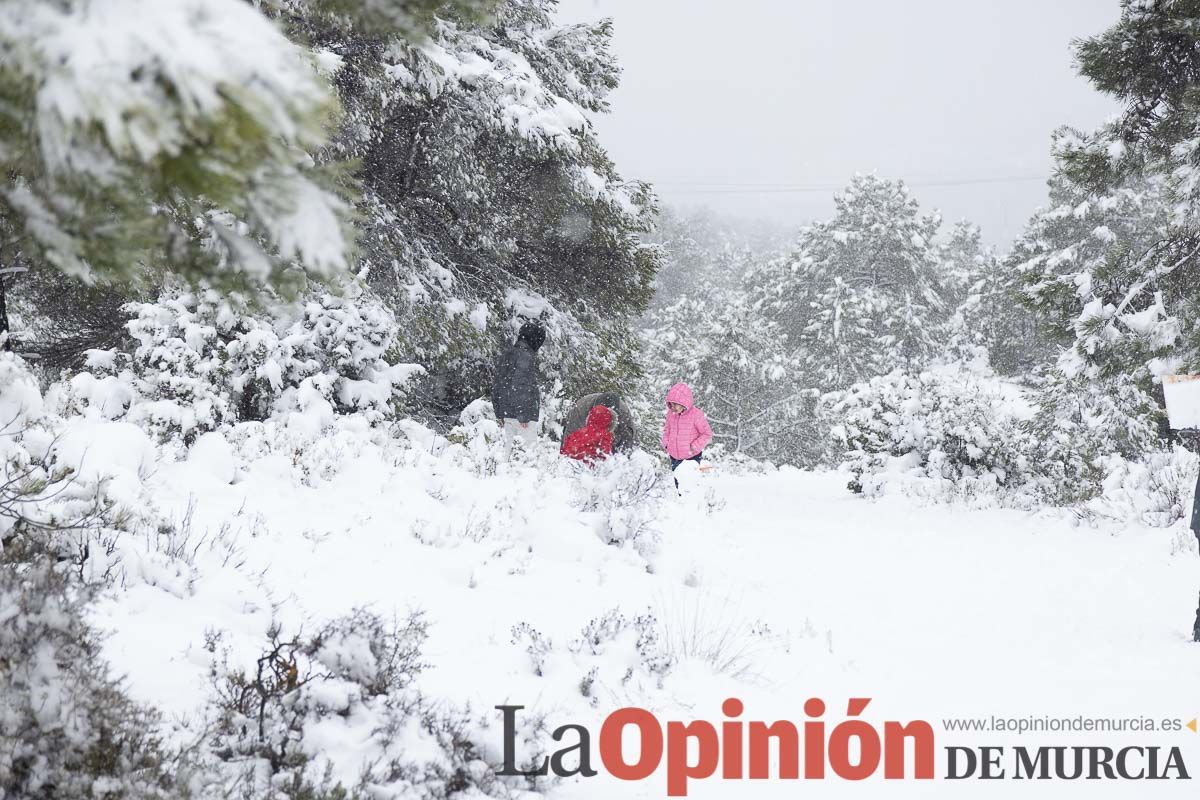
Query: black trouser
[{"x": 675, "y": 462}]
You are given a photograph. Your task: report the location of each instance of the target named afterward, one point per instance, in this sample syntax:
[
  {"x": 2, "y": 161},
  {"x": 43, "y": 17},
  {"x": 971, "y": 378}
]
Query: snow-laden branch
[{"x": 1153, "y": 276}]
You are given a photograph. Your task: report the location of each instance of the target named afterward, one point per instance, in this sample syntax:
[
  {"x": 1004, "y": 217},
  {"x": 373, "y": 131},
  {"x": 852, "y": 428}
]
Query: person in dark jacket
[
  {"x": 515, "y": 396},
  {"x": 1196, "y": 511},
  {"x": 594, "y": 441},
  {"x": 1196, "y": 530},
  {"x": 624, "y": 433}
]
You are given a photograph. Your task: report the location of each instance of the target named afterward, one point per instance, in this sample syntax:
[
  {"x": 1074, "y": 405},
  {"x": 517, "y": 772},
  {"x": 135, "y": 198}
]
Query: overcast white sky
[{"x": 719, "y": 98}]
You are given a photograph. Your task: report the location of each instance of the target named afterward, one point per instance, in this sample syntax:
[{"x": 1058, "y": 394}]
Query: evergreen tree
[
  {"x": 1143, "y": 171},
  {"x": 1110, "y": 269},
  {"x": 861, "y": 294},
  {"x": 145, "y": 136},
  {"x": 1150, "y": 62},
  {"x": 480, "y": 194},
  {"x": 1097, "y": 270},
  {"x": 705, "y": 330},
  {"x": 737, "y": 362},
  {"x": 486, "y": 196},
  {"x": 989, "y": 317},
  {"x": 1084, "y": 266},
  {"x": 409, "y": 19}
]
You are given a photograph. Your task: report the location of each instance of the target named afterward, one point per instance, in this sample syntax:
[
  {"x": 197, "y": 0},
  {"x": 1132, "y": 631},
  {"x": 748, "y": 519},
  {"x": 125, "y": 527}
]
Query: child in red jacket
[{"x": 594, "y": 441}]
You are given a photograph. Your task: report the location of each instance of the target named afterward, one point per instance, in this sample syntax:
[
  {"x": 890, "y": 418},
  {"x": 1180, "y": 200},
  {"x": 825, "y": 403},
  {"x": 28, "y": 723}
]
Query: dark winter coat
[
  {"x": 1196, "y": 511},
  {"x": 1196, "y": 530},
  {"x": 594, "y": 441},
  {"x": 624, "y": 435},
  {"x": 515, "y": 392}
]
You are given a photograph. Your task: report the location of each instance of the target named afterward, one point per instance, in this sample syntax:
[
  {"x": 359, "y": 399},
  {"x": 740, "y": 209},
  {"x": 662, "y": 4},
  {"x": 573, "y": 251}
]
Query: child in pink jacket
[{"x": 686, "y": 431}]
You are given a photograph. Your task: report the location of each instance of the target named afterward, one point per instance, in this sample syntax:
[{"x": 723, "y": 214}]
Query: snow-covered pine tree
[
  {"x": 484, "y": 194},
  {"x": 1099, "y": 271},
  {"x": 487, "y": 197},
  {"x": 860, "y": 295},
  {"x": 740, "y": 368},
  {"x": 1111, "y": 269},
  {"x": 988, "y": 316},
  {"x": 409, "y": 19},
  {"x": 140, "y": 136},
  {"x": 1150, "y": 61},
  {"x": 1082, "y": 264}
]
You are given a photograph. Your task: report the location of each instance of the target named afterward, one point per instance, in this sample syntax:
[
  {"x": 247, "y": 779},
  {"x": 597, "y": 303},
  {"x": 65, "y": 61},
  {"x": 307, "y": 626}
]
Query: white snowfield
[{"x": 773, "y": 588}]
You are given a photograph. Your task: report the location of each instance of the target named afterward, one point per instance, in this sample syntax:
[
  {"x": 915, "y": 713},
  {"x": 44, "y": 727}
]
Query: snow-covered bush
[
  {"x": 54, "y": 501},
  {"x": 1157, "y": 490},
  {"x": 613, "y": 650},
  {"x": 614, "y": 632},
  {"x": 203, "y": 360},
  {"x": 623, "y": 494},
  {"x": 731, "y": 463},
  {"x": 1081, "y": 426},
  {"x": 316, "y": 454},
  {"x": 24, "y": 475},
  {"x": 478, "y": 432},
  {"x": 280, "y": 725},
  {"x": 67, "y": 728},
  {"x": 934, "y": 434},
  {"x": 1092, "y": 447}
]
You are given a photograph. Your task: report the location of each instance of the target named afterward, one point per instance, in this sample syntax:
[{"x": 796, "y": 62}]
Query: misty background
[{"x": 764, "y": 109}]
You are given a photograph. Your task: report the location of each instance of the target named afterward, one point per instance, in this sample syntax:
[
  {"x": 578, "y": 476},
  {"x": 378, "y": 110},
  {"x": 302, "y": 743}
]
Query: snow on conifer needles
[{"x": 165, "y": 121}]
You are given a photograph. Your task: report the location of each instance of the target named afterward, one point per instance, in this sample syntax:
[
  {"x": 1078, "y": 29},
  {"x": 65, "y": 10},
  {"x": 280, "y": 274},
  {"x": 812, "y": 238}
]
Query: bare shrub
[
  {"x": 712, "y": 630},
  {"x": 356, "y": 671}
]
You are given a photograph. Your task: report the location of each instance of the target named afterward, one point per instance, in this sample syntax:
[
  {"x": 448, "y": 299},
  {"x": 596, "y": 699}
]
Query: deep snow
[{"x": 932, "y": 611}]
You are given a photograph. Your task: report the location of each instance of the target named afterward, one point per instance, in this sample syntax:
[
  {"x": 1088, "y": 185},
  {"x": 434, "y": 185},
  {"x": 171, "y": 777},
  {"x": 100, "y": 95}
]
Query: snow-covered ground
[{"x": 772, "y": 587}]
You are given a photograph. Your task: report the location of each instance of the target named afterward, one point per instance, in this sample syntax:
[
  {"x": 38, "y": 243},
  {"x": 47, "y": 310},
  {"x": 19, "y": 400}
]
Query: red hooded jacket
[{"x": 594, "y": 441}]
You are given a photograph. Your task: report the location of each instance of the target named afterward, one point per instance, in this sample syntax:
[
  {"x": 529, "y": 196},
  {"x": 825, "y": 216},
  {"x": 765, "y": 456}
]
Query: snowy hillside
[
  {"x": 773, "y": 587},
  {"x": 299, "y": 297}
]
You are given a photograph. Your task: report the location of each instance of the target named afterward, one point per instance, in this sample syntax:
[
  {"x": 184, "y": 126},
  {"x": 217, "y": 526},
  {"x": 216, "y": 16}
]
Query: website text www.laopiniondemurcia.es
[{"x": 633, "y": 744}]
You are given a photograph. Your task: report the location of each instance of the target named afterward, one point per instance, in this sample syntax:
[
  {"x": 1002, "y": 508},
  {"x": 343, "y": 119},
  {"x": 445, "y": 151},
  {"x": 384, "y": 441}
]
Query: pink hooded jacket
[{"x": 685, "y": 435}]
